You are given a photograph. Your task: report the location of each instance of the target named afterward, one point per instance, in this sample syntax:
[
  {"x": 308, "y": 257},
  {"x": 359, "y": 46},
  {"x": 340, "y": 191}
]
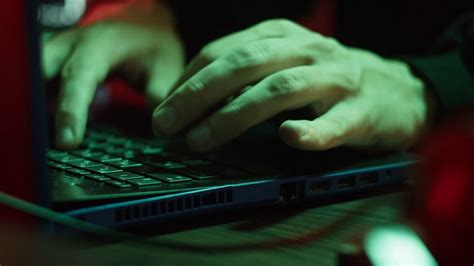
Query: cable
[{"x": 50, "y": 215}]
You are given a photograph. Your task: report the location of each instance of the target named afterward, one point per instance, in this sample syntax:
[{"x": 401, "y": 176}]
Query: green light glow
[{"x": 397, "y": 245}]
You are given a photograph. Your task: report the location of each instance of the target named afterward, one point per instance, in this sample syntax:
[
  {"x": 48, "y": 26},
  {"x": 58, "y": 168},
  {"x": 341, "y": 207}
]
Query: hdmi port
[
  {"x": 320, "y": 186},
  {"x": 368, "y": 179},
  {"x": 345, "y": 182}
]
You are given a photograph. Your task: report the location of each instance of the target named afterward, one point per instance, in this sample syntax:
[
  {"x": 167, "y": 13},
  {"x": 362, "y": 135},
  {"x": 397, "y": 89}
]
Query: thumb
[{"x": 323, "y": 133}]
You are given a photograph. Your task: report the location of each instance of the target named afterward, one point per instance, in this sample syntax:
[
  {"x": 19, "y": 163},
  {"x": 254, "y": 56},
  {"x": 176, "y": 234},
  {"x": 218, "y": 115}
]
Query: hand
[
  {"x": 138, "y": 43},
  {"x": 359, "y": 99}
]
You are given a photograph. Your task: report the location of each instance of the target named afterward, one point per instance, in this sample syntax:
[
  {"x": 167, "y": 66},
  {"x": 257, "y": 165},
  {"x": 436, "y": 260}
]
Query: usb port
[
  {"x": 345, "y": 182},
  {"x": 320, "y": 186}
]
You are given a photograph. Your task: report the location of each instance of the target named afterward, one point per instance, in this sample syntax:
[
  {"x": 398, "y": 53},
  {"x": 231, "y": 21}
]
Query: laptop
[{"x": 117, "y": 178}]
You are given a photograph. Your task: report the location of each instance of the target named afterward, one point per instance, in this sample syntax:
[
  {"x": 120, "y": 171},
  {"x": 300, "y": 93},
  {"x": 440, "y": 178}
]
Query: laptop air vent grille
[{"x": 176, "y": 205}]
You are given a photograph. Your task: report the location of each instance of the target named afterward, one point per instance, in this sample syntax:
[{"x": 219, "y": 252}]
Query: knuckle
[
  {"x": 351, "y": 78},
  {"x": 286, "y": 84},
  {"x": 195, "y": 89},
  {"x": 81, "y": 71},
  {"x": 327, "y": 47},
  {"x": 208, "y": 54},
  {"x": 279, "y": 25},
  {"x": 250, "y": 55}
]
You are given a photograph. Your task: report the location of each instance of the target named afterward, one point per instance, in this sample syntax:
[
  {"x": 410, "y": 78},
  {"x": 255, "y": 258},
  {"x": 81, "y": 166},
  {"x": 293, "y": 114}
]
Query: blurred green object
[{"x": 60, "y": 15}]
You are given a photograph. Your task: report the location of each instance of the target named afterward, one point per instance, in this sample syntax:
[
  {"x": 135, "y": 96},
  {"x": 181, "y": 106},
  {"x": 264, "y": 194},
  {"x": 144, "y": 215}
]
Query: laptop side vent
[{"x": 177, "y": 205}]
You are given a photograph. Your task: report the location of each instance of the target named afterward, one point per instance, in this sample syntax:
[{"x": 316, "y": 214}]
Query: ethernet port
[{"x": 291, "y": 191}]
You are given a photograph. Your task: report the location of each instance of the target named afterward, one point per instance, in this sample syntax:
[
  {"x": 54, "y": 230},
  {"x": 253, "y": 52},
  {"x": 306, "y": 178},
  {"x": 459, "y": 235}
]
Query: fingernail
[
  {"x": 65, "y": 137},
  {"x": 200, "y": 137},
  {"x": 165, "y": 120}
]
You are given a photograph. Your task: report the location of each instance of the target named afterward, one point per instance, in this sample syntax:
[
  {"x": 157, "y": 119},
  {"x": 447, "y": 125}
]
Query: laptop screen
[{"x": 22, "y": 134}]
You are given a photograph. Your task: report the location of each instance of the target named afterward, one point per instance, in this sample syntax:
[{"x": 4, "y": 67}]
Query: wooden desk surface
[
  {"x": 325, "y": 229},
  {"x": 322, "y": 230}
]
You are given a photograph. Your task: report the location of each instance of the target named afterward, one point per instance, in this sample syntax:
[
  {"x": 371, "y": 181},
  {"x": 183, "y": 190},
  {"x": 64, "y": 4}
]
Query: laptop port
[
  {"x": 291, "y": 191},
  {"x": 320, "y": 186},
  {"x": 368, "y": 179},
  {"x": 345, "y": 182}
]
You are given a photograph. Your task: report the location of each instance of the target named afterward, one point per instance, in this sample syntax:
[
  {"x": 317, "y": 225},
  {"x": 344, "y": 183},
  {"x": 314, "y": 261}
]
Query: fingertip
[
  {"x": 303, "y": 135},
  {"x": 165, "y": 121},
  {"x": 292, "y": 132},
  {"x": 65, "y": 138},
  {"x": 70, "y": 128}
]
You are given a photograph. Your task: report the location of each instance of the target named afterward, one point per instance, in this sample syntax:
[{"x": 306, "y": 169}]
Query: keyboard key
[
  {"x": 58, "y": 166},
  {"x": 87, "y": 153},
  {"x": 104, "y": 169},
  {"x": 134, "y": 145},
  {"x": 64, "y": 158},
  {"x": 104, "y": 158},
  {"x": 122, "y": 176},
  {"x": 130, "y": 154},
  {"x": 145, "y": 169},
  {"x": 169, "y": 177},
  {"x": 99, "y": 135},
  {"x": 118, "y": 184},
  {"x": 76, "y": 171},
  {"x": 114, "y": 150},
  {"x": 144, "y": 182},
  {"x": 101, "y": 146},
  {"x": 168, "y": 165},
  {"x": 124, "y": 163},
  {"x": 83, "y": 163},
  {"x": 151, "y": 150},
  {"x": 150, "y": 158},
  {"x": 96, "y": 177}
]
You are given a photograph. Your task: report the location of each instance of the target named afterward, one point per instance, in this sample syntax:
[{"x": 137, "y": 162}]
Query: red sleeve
[{"x": 321, "y": 17}]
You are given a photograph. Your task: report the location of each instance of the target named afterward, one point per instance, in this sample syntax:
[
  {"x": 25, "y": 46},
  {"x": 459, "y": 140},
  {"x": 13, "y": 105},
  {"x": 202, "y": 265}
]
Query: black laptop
[{"x": 118, "y": 177}]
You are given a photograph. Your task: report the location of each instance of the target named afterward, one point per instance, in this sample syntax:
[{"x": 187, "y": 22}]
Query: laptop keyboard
[{"x": 123, "y": 163}]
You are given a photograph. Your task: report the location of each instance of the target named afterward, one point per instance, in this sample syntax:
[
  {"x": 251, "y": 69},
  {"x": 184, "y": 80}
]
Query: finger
[
  {"x": 55, "y": 51},
  {"x": 334, "y": 128},
  {"x": 276, "y": 28},
  {"x": 284, "y": 90},
  {"x": 224, "y": 78},
  {"x": 163, "y": 74},
  {"x": 84, "y": 70}
]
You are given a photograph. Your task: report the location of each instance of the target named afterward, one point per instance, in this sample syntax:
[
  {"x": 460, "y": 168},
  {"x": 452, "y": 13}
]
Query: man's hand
[
  {"x": 139, "y": 43},
  {"x": 359, "y": 98}
]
